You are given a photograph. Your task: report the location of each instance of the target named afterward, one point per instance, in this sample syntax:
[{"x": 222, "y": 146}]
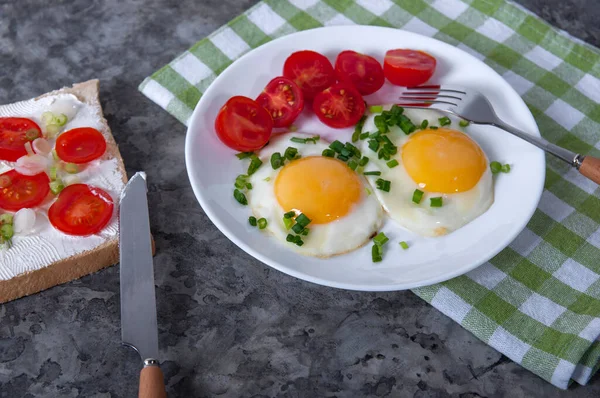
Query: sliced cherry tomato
[
  {"x": 80, "y": 145},
  {"x": 311, "y": 71},
  {"x": 362, "y": 71},
  {"x": 18, "y": 191},
  {"x": 81, "y": 210},
  {"x": 244, "y": 125},
  {"x": 408, "y": 68},
  {"x": 283, "y": 99},
  {"x": 341, "y": 105},
  {"x": 14, "y": 133}
]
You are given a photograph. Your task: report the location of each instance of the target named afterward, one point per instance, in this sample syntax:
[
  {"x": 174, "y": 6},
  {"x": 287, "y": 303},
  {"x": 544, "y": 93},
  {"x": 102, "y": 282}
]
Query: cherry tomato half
[
  {"x": 80, "y": 145},
  {"x": 283, "y": 99},
  {"x": 311, "y": 71},
  {"x": 14, "y": 133},
  {"x": 81, "y": 210},
  {"x": 243, "y": 124},
  {"x": 341, "y": 105},
  {"x": 408, "y": 68},
  {"x": 18, "y": 191},
  {"x": 362, "y": 71}
]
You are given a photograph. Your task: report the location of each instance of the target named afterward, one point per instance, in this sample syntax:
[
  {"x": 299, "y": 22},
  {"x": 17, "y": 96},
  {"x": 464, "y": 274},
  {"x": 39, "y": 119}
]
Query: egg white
[
  {"x": 457, "y": 210},
  {"x": 324, "y": 240}
]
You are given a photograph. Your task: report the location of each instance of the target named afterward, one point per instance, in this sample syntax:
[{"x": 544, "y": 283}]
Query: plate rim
[{"x": 324, "y": 282}]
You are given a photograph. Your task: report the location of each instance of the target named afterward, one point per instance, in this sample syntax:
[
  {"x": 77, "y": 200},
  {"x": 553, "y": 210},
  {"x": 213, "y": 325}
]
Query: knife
[{"x": 139, "y": 328}]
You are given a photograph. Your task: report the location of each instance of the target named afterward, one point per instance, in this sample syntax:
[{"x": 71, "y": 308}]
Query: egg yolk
[
  {"x": 322, "y": 188},
  {"x": 443, "y": 160}
]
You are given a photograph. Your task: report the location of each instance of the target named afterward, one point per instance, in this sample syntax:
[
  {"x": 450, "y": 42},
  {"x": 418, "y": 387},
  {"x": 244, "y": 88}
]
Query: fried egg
[
  {"x": 441, "y": 162},
  {"x": 344, "y": 214}
]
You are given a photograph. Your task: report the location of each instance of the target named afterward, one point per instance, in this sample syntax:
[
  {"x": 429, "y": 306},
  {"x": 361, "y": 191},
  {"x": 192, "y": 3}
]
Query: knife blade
[{"x": 139, "y": 328}]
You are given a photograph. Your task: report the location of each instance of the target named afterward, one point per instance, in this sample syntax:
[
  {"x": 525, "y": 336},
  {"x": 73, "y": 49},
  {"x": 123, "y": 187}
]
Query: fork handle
[{"x": 590, "y": 167}]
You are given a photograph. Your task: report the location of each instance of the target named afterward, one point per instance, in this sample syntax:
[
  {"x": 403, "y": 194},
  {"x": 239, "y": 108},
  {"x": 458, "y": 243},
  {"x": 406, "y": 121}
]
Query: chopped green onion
[
  {"x": 353, "y": 164},
  {"x": 267, "y": 179},
  {"x": 433, "y": 127},
  {"x": 383, "y": 185},
  {"x": 53, "y": 173},
  {"x": 436, "y": 202},
  {"x": 241, "y": 181},
  {"x": 463, "y": 123},
  {"x": 240, "y": 197},
  {"x": 293, "y": 128},
  {"x": 252, "y": 221},
  {"x": 7, "y": 231},
  {"x": 444, "y": 121},
  {"x": 343, "y": 158},
  {"x": 303, "y": 220},
  {"x": 369, "y": 192},
  {"x": 297, "y": 228},
  {"x": 373, "y": 144},
  {"x": 291, "y": 153},
  {"x": 353, "y": 150},
  {"x": 376, "y": 109},
  {"x": 358, "y": 128},
  {"x": 372, "y": 173},
  {"x": 505, "y": 168},
  {"x": 288, "y": 222},
  {"x": 244, "y": 155},
  {"x": 381, "y": 239},
  {"x": 299, "y": 241},
  {"x": 314, "y": 139},
  {"x": 289, "y": 214},
  {"x": 392, "y": 163},
  {"x": 57, "y": 186},
  {"x": 328, "y": 153},
  {"x": 417, "y": 196},
  {"x": 337, "y": 146},
  {"x": 71, "y": 168},
  {"x": 364, "y": 136},
  {"x": 61, "y": 119},
  {"x": 32, "y": 134},
  {"x": 424, "y": 124},
  {"x": 346, "y": 152},
  {"x": 375, "y": 255},
  {"x": 381, "y": 124},
  {"x": 276, "y": 160},
  {"x": 55, "y": 155},
  {"x": 496, "y": 167},
  {"x": 6, "y": 218},
  {"x": 47, "y": 118},
  {"x": 254, "y": 165},
  {"x": 52, "y": 130},
  {"x": 305, "y": 231},
  {"x": 404, "y": 245},
  {"x": 294, "y": 239},
  {"x": 248, "y": 186},
  {"x": 290, "y": 238},
  {"x": 406, "y": 125},
  {"x": 262, "y": 223},
  {"x": 363, "y": 161},
  {"x": 298, "y": 140}
]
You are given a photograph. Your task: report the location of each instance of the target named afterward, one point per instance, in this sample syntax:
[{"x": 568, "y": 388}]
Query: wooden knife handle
[
  {"x": 152, "y": 383},
  {"x": 590, "y": 167}
]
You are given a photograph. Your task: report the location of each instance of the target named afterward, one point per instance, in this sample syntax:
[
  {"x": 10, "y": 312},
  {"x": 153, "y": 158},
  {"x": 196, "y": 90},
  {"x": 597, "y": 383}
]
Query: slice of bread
[{"x": 84, "y": 263}]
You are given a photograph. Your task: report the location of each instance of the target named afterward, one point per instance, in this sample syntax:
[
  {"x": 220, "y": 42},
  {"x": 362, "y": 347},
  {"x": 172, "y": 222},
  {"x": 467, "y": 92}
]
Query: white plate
[{"x": 212, "y": 167}]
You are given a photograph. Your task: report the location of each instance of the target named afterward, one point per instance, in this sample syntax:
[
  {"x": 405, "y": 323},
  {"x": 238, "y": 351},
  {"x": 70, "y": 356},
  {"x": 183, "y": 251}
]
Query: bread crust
[{"x": 81, "y": 264}]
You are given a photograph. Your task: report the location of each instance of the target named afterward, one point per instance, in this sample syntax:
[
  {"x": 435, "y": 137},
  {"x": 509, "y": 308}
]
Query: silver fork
[{"x": 474, "y": 107}]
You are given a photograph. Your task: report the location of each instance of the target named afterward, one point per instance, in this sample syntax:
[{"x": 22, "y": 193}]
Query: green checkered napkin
[{"x": 538, "y": 301}]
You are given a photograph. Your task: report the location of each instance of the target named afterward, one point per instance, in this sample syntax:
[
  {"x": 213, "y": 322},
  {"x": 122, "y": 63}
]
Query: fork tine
[
  {"x": 418, "y": 95},
  {"x": 426, "y": 101},
  {"x": 434, "y": 88}
]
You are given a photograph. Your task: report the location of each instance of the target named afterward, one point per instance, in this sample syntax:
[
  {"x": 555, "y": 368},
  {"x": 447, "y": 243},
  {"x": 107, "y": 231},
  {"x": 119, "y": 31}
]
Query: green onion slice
[
  {"x": 262, "y": 223},
  {"x": 358, "y": 128},
  {"x": 240, "y": 197},
  {"x": 289, "y": 214},
  {"x": 404, "y": 245},
  {"x": 372, "y": 173},
  {"x": 328, "y": 153},
  {"x": 252, "y": 221},
  {"x": 505, "y": 168},
  {"x": 291, "y": 153},
  {"x": 417, "y": 196},
  {"x": 336, "y": 146},
  {"x": 444, "y": 121},
  {"x": 424, "y": 124},
  {"x": 254, "y": 165},
  {"x": 495, "y": 167},
  {"x": 383, "y": 185},
  {"x": 244, "y": 155},
  {"x": 375, "y": 255},
  {"x": 363, "y": 161},
  {"x": 463, "y": 123},
  {"x": 392, "y": 163},
  {"x": 56, "y": 187},
  {"x": 303, "y": 220},
  {"x": 436, "y": 202},
  {"x": 353, "y": 164},
  {"x": 381, "y": 239},
  {"x": 376, "y": 109},
  {"x": 276, "y": 160},
  {"x": 288, "y": 222}
]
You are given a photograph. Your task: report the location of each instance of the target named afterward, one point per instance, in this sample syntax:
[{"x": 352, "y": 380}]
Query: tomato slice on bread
[
  {"x": 341, "y": 105},
  {"x": 244, "y": 125},
  {"x": 283, "y": 99},
  {"x": 362, "y": 71},
  {"x": 311, "y": 71},
  {"x": 18, "y": 191},
  {"x": 408, "y": 68},
  {"x": 14, "y": 133},
  {"x": 81, "y": 210},
  {"x": 80, "y": 145}
]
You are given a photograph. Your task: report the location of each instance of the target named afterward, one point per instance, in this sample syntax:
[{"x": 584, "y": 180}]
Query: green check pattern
[{"x": 538, "y": 301}]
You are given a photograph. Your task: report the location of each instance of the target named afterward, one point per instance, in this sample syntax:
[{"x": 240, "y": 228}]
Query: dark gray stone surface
[{"x": 229, "y": 325}]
